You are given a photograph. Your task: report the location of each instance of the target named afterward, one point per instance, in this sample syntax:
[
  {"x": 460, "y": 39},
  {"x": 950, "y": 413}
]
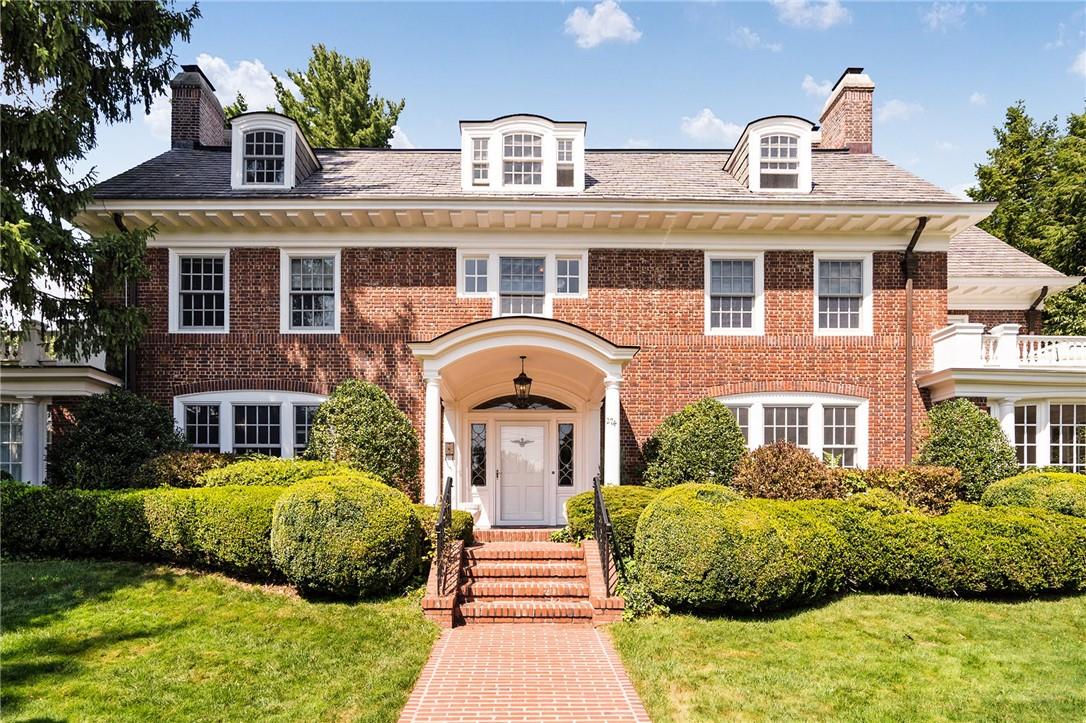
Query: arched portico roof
[{"x": 525, "y": 332}]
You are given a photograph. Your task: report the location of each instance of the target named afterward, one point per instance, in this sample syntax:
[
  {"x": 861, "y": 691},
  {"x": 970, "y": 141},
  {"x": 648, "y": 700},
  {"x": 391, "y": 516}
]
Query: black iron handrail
[
  {"x": 604, "y": 532},
  {"x": 444, "y": 521}
]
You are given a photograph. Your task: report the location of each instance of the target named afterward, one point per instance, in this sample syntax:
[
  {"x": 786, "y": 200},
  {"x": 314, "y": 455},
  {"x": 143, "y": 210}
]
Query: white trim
[
  {"x": 175, "y": 289},
  {"x": 756, "y": 403},
  {"x": 493, "y": 270},
  {"x": 1044, "y": 423},
  {"x": 758, "y": 313},
  {"x": 496, "y": 130},
  {"x": 779, "y": 125},
  {"x": 285, "y": 255},
  {"x": 250, "y": 122},
  {"x": 866, "y": 305},
  {"x": 226, "y": 401}
]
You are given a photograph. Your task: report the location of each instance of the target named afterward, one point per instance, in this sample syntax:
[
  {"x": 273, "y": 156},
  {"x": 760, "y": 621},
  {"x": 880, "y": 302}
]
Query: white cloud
[
  {"x": 744, "y": 37},
  {"x": 978, "y": 98},
  {"x": 1059, "y": 41},
  {"x": 249, "y": 77},
  {"x": 1079, "y": 66},
  {"x": 607, "y": 22},
  {"x": 898, "y": 110},
  {"x": 815, "y": 88},
  {"x": 817, "y": 14},
  {"x": 946, "y": 146},
  {"x": 705, "y": 126},
  {"x": 399, "y": 138},
  {"x": 637, "y": 143},
  {"x": 942, "y": 16}
]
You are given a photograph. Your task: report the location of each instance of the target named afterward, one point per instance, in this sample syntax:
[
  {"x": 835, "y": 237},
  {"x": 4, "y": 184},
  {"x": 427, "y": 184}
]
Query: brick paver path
[{"x": 530, "y": 673}]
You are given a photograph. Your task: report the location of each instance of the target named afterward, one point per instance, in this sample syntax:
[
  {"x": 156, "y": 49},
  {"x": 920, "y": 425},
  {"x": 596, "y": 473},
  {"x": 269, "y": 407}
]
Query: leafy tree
[
  {"x": 1038, "y": 177},
  {"x": 700, "y": 443},
  {"x": 236, "y": 108},
  {"x": 66, "y": 67},
  {"x": 336, "y": 109},
  {"x": 965, "y": 438}
]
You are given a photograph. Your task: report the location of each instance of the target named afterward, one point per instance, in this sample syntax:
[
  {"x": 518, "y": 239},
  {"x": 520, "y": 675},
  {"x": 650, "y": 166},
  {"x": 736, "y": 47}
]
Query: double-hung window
[
  {"x": 11, "y": 439},
  {"x": 202, "y": 427},
  {"x": 1067, "y": 436},
  {"x": 310, "y": 292},
  {"x": 839, "y": 435},
  {"x": 567, "y": 275},
  {"x": 842, "y": 295},
  {"x": 522, "y": 159},
  {"x": 257, "y": 429},
  {"x": 303, "y": 426},
  {"x": 733, "y": 295},
  {"x": 274, "y": 423},
  {"x": 564, "y": 177},
  {"x": 786, "y": 424},
  {"x": 475, "y": 275},
  {"x": 522, "y": 284},
  {"x": 480, "y": 161},
  {"x": 742, "y": 418},
  {"x": 1025, "y": 434},
  {"x": 779, "y": 162},
  {"x": 201, "y": 292},
  {"x": 263, "y": 158}
]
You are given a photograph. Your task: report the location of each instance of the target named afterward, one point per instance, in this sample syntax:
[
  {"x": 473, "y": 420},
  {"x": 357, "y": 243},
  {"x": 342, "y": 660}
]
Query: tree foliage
[
  {"x": 971, "y": 441},
  {"x": 700, "y": 443},
  {"x": 1037, "y": 175},
  {"x": 67, "y": 67},
  {"x": 236, "y": 108}
]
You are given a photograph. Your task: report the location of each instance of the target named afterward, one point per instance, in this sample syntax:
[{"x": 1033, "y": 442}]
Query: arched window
[
  {"x": 779, "y": 161},
  {"x": 533, "y": 402},
  {"x": 522, "y": 159},
  {"x": 263, "y": 157}
]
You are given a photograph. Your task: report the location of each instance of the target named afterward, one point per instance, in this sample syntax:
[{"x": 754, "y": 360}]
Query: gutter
[{"x": 909, "y": 265}]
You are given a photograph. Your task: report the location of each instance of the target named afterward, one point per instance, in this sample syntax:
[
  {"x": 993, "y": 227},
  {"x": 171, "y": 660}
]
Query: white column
[
  {"x": 432, "y": 448},
  {"x": 611, "y": 441},
  {"x": 593, "y": 447},
  {"x": 32, "y": 451},
  {"x": 1003, "y": 411}
]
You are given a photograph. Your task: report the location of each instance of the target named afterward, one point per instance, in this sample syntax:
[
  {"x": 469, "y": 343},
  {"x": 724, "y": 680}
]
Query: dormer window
[
  {"x": 523, "y": 159},
  {"x": 480, "y": 161},
  {"x": 779, "y": 161},
  {"x": 264, "y": 158}
]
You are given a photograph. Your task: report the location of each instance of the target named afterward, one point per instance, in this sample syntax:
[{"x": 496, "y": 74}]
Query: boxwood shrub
[
  {"x": 463, "y": 524},
  {"x": 1063, "y": 492},
  {"x": 269, "y": 471},
  {"x": 179, "y": 469},
  {"x": 962, "y": 436},
  {"x": 784, "y": 471},
  {"x": 700, "y": 443},
  {"x": 931, "y": 489},
  {"x": 345, "y": 536},
  {"x": 625, "y": 503},
  {"x": 697, "y": 547}
]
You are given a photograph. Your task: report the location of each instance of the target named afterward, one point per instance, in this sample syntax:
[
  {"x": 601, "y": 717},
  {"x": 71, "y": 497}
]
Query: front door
[{"x": 522, "y": 473}]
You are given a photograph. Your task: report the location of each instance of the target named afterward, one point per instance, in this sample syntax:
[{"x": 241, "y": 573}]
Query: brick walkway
[{"x": 512, "y": 673}]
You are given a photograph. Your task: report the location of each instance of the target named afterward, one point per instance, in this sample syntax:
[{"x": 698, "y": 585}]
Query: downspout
[
  {"x": 908, "y": 268},
  {"x": 129, "y": 292},
  {"x": 1032, "y": 313}
]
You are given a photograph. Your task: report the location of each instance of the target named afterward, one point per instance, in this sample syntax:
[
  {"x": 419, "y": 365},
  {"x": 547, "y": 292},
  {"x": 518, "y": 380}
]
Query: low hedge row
[
  {"x": 1063, "y": 492},
  {"x": 695, "y": 551},
  {"x": 178, "y": 469},
  {"x": 625, "y": 503},
  {"x": 270, "y": 471},
  {"x": 931, "y": 489},
  {"x": 462, "y": 527}
]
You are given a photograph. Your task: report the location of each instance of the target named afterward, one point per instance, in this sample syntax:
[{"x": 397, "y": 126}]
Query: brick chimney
[
  {"x": 846, "y": 117},
  {"x": 196, "y": 115}
]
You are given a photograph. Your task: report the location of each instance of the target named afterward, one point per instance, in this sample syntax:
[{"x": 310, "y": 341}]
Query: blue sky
[{"x": 660, "y": 75}]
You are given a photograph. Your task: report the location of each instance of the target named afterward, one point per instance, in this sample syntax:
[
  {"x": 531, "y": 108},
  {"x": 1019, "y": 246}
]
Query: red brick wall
[
  {"x": 847, "y": 123},
  {"x": 992, "y": 318},
  {"x": 650, "y": 298}
]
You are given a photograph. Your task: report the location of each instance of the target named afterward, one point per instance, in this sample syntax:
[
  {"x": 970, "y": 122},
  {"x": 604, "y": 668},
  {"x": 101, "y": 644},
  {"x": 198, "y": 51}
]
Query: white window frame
[
  {"x": 495, "y": 130},
  {"x": 245, "y": 157},
  {"x": 758, "y": 312},
  {"x": 866, "y": 327},
  {"x": 777, "y": 171},
  {"x": 815, "y": 403},
  {"x": 259, "y": 121},
  {"x": 493, "y": 270},
  {"x": 524, "y": 159},
  {"x": 285, "y": 256},
  {"x": 174, "y": 304},
  {"x": 480, "y": 162},
  {"x": 226, "y": 401}
]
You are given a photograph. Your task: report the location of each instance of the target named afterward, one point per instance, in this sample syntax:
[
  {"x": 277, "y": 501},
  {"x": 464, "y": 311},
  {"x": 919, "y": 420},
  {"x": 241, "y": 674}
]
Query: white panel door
[{"x": 523, "y": 474}]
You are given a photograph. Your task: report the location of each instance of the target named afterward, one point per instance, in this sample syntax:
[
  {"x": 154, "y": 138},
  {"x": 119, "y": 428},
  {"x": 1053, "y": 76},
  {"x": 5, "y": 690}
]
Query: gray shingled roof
[
  {"x": 974, "y": 252},
  {"x": 621, "y": 175}
]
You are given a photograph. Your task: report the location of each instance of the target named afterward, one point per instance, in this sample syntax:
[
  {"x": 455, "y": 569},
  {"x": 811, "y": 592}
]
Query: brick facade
[
  {"x": 650, "y": 298},
  {"x": 846, "y": 123},
  {"x": 196, "y": 116},
  {"x": 990, "y": 318}
]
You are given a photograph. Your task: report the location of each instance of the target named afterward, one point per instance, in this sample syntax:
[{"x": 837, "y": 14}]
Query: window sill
[
  {"x": 201, "y": 331},
  {"x": 305, "y": 332},
  {"x": 734, "y": 332},
  {"x": 843, "y": 332}
]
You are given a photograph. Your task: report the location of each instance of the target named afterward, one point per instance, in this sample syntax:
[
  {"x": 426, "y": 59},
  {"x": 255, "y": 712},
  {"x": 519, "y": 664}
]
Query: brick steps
[
  {"x": 514, "y": 534},
  {"x": 489, "y": 590},
  {"x": 524, "y": 551},
  {"x": 505, "y": 611}
]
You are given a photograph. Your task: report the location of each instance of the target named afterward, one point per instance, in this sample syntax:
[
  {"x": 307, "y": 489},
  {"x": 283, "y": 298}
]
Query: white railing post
[
  {"x": 958, "y": 346},
  {"x": 1006, "y": 346}
]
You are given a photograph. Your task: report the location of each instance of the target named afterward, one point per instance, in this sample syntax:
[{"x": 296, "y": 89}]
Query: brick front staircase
[{"x": 520, "y": 576}]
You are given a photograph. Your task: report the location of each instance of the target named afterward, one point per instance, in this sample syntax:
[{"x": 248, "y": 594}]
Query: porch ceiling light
[{"x": 523, "y": 386}]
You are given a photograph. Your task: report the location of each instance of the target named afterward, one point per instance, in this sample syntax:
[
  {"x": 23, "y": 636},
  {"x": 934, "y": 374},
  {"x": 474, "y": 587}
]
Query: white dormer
[
  {"x": 521, "y": 154},
  {"x": 268, "y": 152},
  {"x": 773, "y": 155}
]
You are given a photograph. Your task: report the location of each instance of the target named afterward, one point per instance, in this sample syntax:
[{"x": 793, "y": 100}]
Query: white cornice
[{"x": 1024, "y": 383}]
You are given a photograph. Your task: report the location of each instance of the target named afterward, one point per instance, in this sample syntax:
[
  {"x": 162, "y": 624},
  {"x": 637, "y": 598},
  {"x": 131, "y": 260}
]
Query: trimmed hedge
[
  {"x": 699, "y": 549},
  {"x": 270, "y": 471},
  {"x": 179, "y": 469},
  {"x": 784, "y": 471},
  {"x": 462, "y": 527},
  {"x": 625, "y": 503},
  {"x": 1063, "y": 492},
  {"x": 226, "y": 528},
  {"x": 931, "y": 489},
  {"x": 345, "y": 536},
  {"x": 962, "y": 436},
  {"x": 700, "y": 443},
  {"x": 759, "y": 555}
]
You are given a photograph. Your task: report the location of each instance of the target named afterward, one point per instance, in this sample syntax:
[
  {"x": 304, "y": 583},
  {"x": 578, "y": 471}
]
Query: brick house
[{"x": 801, "y": 279}]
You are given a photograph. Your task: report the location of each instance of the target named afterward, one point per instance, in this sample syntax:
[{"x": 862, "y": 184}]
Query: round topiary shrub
[
  {"x": 784, "y": 471},
  {"x": 361, "y": 426},
  {"x": 625, "y": 503},
  {"x": 1063, "y": 492},
  {"x": 345, "y": 536},
  {"x": 700, "y": 443},
  {"x": 111, "y": 437},
  {"x": 698, "y": 548},
  {"x": 962, "y": 436}
]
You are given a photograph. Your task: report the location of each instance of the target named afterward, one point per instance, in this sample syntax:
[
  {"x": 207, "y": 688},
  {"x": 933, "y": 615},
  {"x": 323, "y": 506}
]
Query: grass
[
  {"x": 119, "y": 641},
  {"x": 866, "y": 657}
]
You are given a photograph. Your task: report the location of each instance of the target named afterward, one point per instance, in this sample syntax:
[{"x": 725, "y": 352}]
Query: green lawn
[
  {"x": 118, "y": 641},
  {"x": 866, "y": 657}
]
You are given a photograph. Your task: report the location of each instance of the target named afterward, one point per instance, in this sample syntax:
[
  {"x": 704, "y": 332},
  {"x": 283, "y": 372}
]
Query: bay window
[
  {"x": 1048, "y": 432},
  {"x": 272, "y": 423}
]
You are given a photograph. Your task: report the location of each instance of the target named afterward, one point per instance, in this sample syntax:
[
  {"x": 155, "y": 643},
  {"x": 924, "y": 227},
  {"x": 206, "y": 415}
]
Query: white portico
[{"x": 514, "y": 461}]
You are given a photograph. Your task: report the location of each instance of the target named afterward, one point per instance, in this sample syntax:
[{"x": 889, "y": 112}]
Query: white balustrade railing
[
  {"x": 966, "y": 346},
  {"x": 36, "y": 350}
]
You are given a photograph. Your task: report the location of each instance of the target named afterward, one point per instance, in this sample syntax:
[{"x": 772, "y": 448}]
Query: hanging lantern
[{"x": 523, "y": 386}]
